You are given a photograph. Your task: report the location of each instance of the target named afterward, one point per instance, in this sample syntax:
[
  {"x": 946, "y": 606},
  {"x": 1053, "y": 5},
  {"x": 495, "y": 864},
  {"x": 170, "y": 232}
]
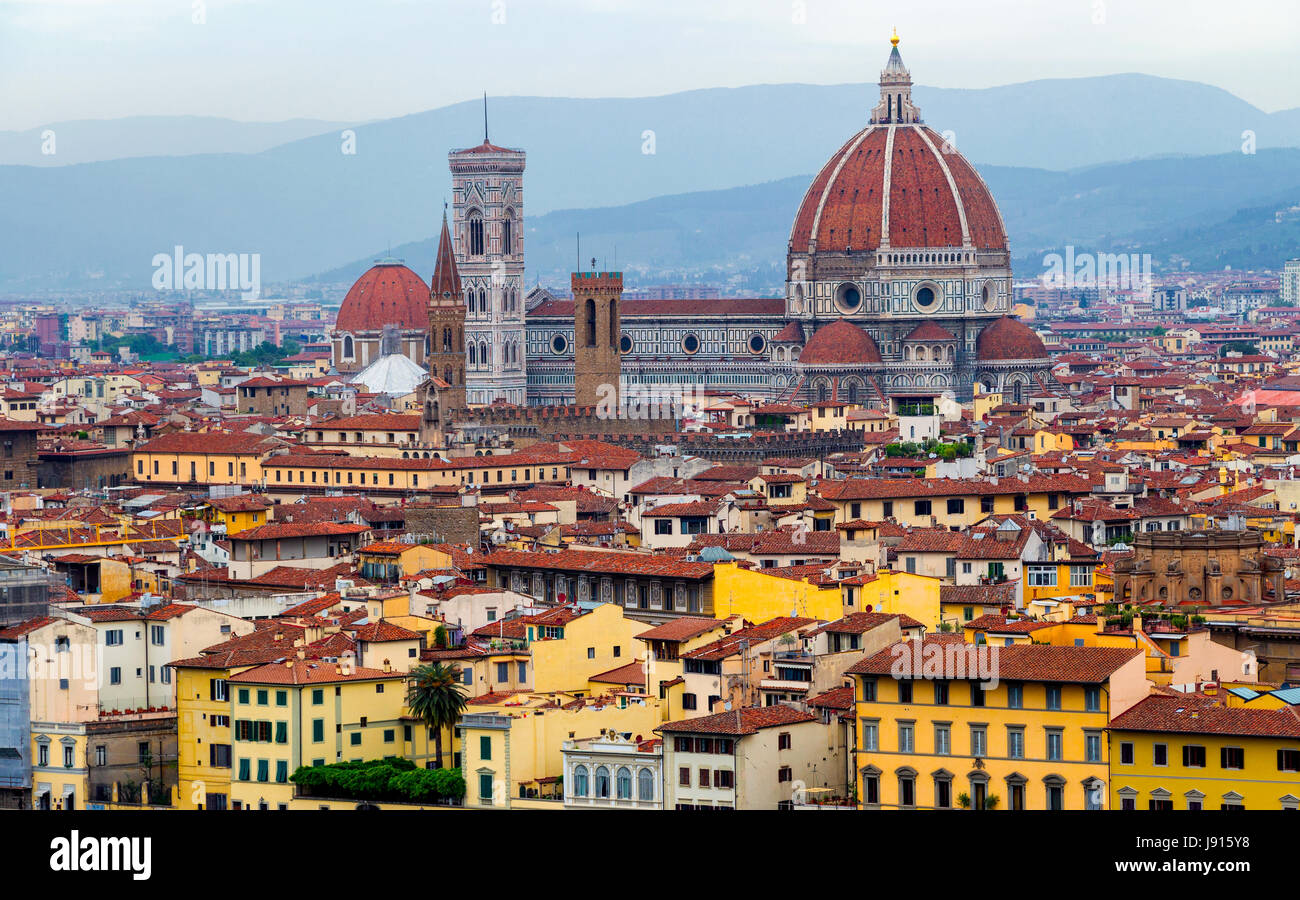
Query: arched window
[
  {"x": 822, "y": 393},
  {"x": 591, "y": 322},
  {"x": 1018, "y": 392},
  {"x": 473, "y": 356},
  {"x": 602, "y": 782},
  {"x": 484, "y": 359},
  {"x": 475, "y": 235},
  {"x": 624, "y": 783},
  {"x": 446, "y": 375},
  {"x": 482, "y": 300},
  {"x": 645, "y": 785},
  {"x": 348, "y": 350},
  {"x": 853, "y": 392},
  {"x": 580, "y": 781},
  {"x": 446, "y": 340},
  {"x": 507, "y": 233}
]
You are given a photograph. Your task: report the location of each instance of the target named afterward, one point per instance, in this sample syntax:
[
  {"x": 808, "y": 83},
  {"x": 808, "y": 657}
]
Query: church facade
[{"x": 898, "y": 289}]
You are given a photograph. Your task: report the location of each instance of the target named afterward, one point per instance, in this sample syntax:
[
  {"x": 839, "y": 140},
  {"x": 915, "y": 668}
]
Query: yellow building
[
  {"x": 1189, "y": 752},
  {"x": 893, "y": 593},
  {"x": 313, "y": 712},
  {"x": 564, "y": 659},
  {"x": 193, "y": 458},
  {"x": 943, "y": 724},
  {"x": 513, "y": 746},
  {"x": 758, "y": 596},
  {"x": 238, "y": 513},
  {"x": 953, "y": 501},
  {"x": 384, "y": 474}
]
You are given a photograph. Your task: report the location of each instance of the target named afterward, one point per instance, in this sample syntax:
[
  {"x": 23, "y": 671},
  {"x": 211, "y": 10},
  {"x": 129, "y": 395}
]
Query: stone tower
[
  {"x": 445, "y": 389},
  {"x": 597, "y": 329},
  {"x": 487, "y": 222}
]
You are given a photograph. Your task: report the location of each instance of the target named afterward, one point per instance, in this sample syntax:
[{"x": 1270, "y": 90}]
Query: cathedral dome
[
  {"x": 936, "y": 199},
  {"x": 841, "y": 343},
  {"x": 388, "y": 293},
  {"x": 1007, "y": 338},
  {"x": 897, "y": 182}
]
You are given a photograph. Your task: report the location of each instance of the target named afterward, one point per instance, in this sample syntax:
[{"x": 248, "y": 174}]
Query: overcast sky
[{"x": 350, "y": 60}]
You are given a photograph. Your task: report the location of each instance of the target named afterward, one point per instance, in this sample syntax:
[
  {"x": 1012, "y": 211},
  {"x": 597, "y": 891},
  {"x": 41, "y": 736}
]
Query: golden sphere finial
[{"x": 894, "y": 40}]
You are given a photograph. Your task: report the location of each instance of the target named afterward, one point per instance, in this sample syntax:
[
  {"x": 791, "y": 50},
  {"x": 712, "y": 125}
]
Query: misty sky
[{"x": 351, "y": 60}]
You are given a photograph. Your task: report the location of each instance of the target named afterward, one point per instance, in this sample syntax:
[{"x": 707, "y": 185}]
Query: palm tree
[{"x": 437, "y": 698}]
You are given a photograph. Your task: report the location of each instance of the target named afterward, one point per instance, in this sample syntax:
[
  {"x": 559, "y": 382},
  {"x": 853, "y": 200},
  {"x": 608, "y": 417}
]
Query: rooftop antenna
[
  {"x": 485, "y": 128},
  {"x": 579, "y": 234}
]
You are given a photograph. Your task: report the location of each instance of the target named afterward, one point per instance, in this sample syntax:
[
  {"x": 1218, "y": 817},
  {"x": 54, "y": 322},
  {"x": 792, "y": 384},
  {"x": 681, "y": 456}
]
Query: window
[
  {"x": 976, "y": 694},
  {"x": 101, "y": 754},
  {"x": 1015, "y": 742},
  {"x": 1092, "y": 699},
  {"x": 1055, "y": 796},
  {"x": 1193, "y": 756},
  {"x": 263, "y": 770},
  {"x": 1232, "y": 758},
  {"x": 645, "y": 785},
  {"x": 904, "y": 692},
  {"x": 485, "y": 747},
  {"x": 723, "y": 778},
  {"x": 1126, "y": 753},
  {"x": 1288, "y": 760},
  {"x": 1016, "y": 696},
  {"x": 663, "y": 526},
  {"x": 580, "y": 781},
  {"x": 68, "y": 759},
  {"x": 784, "y": 775},
  {"x": 868, "y": 690},
  {"x": 871, "y": 735},
  {"x": 906, "y": 790},
  {"x": 943, "y": 793},
  {"x": 624, "y": 783},
  {"x": 1160, "y": 803},
  {"x": 1054, "y": 696},
  {"x": 941, "y": 693},
  {"x": 602, "y": 782},
  {"x": 1054, "y": 744},
  {"x": 943, "y": 739},
  {"x": 956, "y": 506},
  {"x": 317, "y": 697},
  {"x": 704, "y": 778},
  {"x": 356, "y": 738},
  {"x": 871, "y": 789},
  {"x": 156, "y": 635},
  {"x": 922, "y": 507},
  {"x": 684, "y": 776},
  {"x": 1042, "y": 576},
  {"x": 113, "y": 638},
  {"x": 905, "y": 738},
  {"x": 317, "y": 730},
  {"x": 485, "y": 786},
  {"x": 1160, "y": 754},
  {"x": 783, "y": 741},
  {"x": 979, "y": 740},
  {"x": 115, "y": 675}
]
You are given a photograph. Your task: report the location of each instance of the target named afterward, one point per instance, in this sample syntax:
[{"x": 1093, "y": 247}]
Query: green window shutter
[
  {"x": 485, "y": 747},
  {"x": 282, "y": 771},
  {"x": 282, "y": 732},
  {"x": 243, "y": 770},
  {"x": 263, "y": 770},
  {"x": 317, "y": 730},
  {"x": 281, "y": 698},
  {"x": 243, "y": 695}
]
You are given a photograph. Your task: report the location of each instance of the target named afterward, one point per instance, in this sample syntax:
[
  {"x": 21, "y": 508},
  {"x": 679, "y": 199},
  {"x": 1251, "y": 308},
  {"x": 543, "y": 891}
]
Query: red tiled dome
[
  {"x": 841, "y": 343},
  {"x": 388, "y": 293},
  {"x": 844, "y": 207},
  {"x": 1008, "y": 338},
  {"x": 930, "y": 331}
]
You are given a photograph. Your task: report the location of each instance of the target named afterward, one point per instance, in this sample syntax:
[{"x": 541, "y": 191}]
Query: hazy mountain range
[{"x": 710, "y": 190}]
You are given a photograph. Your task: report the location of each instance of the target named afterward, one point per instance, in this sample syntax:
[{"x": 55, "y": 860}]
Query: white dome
[{"x": 393, "y": 374}]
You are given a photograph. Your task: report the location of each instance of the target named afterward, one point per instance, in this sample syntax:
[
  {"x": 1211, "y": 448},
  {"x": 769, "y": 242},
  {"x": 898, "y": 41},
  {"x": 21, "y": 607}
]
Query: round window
[
  {"x": 691, "y": 344},
  {"x": 625, "y": 344},
  {"x": 757, "y": 343},
  {"x": 926, "y": 299},
  {"x": 848, "y": 298},
  {"x": 990, "y": 298},
  {"x": 559, "y": 344}
]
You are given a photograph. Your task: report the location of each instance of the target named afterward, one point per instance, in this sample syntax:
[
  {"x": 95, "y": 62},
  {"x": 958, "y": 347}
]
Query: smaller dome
[
  {"x": 930, "y": 331},
  {"x": 1008, "y": 338},
  {"x": 387, "y": 294},
  {"x": 841, "y": 343}
]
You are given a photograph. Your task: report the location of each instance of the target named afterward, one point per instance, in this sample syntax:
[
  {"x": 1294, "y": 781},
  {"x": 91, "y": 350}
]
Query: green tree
[{"x": 437, "y": 698}]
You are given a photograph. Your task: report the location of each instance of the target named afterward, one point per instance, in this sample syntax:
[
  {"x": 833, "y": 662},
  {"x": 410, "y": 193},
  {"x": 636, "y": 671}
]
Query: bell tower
[
  {"x": 597, "y": 330},
  {"x": 446, "y": 350}
]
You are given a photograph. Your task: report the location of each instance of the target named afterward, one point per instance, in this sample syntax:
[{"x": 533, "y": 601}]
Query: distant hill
[
  {"x": 95, "y": 140},
  {"x": 1202, "y": 210},
  {"x": 307, "y": 206}
]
